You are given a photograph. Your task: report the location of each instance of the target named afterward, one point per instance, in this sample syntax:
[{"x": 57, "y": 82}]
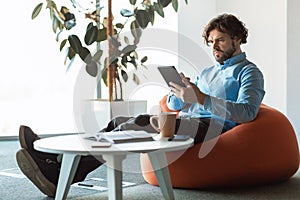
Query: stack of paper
[{"x": 121, "y": 136}]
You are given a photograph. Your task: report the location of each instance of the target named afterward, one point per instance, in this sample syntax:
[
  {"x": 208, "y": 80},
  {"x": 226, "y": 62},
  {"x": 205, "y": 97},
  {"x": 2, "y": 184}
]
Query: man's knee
[
  {"x": 120, "y": 120},
  {"x": 115, "y": 122}
]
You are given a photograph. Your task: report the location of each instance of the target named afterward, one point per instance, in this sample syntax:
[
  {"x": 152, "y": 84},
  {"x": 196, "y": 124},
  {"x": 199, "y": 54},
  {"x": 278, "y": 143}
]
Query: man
[
  {"x": 223, "y": 96},
  {"x": 227, "y": 93}
]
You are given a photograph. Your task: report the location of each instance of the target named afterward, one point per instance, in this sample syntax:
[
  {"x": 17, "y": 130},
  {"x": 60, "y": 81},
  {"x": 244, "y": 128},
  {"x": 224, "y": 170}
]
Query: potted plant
[
  {"x": 114, "y": 56},
  {"x": 112, "y": 68}
]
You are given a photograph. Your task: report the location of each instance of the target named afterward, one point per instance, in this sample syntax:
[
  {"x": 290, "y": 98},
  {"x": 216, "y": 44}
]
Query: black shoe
[
  {"x": 43, "y": 168},
  {"x": 27, "y": 137},
  {"x": 32, "y": 170}
]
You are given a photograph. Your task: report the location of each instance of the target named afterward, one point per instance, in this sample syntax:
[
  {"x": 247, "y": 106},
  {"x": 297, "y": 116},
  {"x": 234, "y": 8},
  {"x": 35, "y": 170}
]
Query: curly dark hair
[{"x": 227, "y": 23}]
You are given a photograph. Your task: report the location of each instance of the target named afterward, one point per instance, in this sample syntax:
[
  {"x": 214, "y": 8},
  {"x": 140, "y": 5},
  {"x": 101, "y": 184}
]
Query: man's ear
[{"x": 238, "y": 40}]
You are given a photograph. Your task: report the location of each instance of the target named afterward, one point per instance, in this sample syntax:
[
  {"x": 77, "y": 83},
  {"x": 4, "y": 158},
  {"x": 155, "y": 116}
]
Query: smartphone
[
  {"x": 179, "y": 138},
  {"x": 100, "y": 144},
  {"x": 170, "y": 74}
]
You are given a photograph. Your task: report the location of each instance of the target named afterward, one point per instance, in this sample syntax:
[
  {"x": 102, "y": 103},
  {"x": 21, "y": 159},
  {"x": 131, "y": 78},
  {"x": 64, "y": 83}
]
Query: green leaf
[
  {"x": 89, "y": 26},
  {"x": 144, "y": 59},
  {"x": 126, "y": 13},
  {"x": 124, "y": 75},
  {"x": 104, "y": 75},
  {"x": 71, "y": 53},
  {"x": 54, "y": 24},
  {"x": 51, "y": 5},
  {"x": 164, "y": 3},
  {"x": 36, "y": 11},
  {"x": 175, "y": 5},
  {"x": 62, "y": 44},
  {"x": 85, "y": 55},
  {"x": 51, "y": 12},
  {"x": 126, "y": 40},
  {"x": 133, "y": 62},
  {"x": 128, "y": 49},
  {"x": 132, "y": 2},
  {"x": 151, "y": 14},
  {"x": 98, "y": 55},
  {"x": 136, "y": 79},
  {"x": 159, "y": 9},
  {"x": 91, "y": 35},
  {"x": 70, "y": 63},
  {"x": 60, "y": 25},
  {"x": 75, "y": 43},
  {"x": 134, "y": 55},
  {"x": 67, "y": 55},
  {"x": 101, "y": 35},
  {"x": 142, "y": 18},
  {"x": 92, "y": 69},
  {"x": 124, "y": 61},
  {"x": 119, "y": 25},
  {"x": 135, "y": 30}
]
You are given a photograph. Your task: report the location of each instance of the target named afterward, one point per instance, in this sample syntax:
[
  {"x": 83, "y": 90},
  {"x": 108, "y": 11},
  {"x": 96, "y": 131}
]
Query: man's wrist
[{"x": 201, "y": 98}]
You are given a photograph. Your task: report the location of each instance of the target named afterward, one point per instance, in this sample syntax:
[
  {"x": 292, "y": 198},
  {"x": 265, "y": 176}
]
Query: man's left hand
[{"x": 189, "y": 94}]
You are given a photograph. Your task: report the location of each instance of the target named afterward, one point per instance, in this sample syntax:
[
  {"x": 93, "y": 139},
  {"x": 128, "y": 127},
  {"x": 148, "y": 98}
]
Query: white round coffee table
[{"x": 72, "y": 147}]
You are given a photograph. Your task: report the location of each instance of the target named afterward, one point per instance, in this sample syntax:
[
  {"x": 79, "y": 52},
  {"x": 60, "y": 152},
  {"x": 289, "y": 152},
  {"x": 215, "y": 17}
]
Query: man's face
[{"x": 223, "y": 45}]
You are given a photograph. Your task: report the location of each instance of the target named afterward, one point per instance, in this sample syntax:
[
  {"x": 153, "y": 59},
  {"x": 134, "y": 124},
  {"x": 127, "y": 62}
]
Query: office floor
[{"x": 15, "y": 186}]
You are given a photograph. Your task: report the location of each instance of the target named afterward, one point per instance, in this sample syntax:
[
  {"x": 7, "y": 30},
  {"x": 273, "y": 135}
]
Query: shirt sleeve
[
  {"x": 174, "y": 103},
  {"x": 250, "y": 96}
]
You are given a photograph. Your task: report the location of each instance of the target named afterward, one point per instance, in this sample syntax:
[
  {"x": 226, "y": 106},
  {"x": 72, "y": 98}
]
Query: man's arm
[
  {"x": 242, "y": 110},
  {"x": 250, "y": 96}
]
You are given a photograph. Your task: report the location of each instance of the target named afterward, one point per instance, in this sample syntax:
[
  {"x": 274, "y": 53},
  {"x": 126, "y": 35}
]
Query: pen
[{"x": 85, "y": 185}]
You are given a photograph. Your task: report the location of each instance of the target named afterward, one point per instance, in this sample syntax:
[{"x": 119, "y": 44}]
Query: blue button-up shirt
[{"x": 234, "y": 92}]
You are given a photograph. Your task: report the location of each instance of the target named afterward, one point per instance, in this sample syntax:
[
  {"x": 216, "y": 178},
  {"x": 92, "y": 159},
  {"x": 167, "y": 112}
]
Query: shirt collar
[{"x": 233, "y": 60}]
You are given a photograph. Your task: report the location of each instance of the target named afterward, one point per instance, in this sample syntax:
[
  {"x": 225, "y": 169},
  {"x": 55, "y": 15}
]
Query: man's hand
[{"x": 190, "y": 93}]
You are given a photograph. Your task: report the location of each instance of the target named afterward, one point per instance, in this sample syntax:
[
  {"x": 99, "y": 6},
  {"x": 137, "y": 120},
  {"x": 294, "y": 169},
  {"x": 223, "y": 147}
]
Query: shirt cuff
[{"x": 207, "y": 103}]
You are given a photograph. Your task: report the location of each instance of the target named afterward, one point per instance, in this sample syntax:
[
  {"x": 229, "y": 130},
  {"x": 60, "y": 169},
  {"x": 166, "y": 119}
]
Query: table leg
[
  {"x": 114, "y": 175},
  {"x": 67, "y": 172},
  {"x": 159, "y": 163}
]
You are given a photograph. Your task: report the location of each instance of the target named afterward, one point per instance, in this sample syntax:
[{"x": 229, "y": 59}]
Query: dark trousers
[{"x": 201, "y": 129}]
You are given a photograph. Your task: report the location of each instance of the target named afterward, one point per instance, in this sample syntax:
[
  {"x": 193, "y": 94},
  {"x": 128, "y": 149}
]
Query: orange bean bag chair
[{"x": 259, "y": 152}]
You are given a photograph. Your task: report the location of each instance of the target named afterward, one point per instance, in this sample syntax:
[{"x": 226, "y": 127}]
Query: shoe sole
[
  {"x": 22, "y": 137},
  {"x": 32, "y": 171}
]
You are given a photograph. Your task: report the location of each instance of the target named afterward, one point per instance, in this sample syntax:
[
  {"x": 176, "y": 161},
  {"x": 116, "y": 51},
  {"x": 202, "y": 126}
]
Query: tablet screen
[{"x": 170, "y": 74}]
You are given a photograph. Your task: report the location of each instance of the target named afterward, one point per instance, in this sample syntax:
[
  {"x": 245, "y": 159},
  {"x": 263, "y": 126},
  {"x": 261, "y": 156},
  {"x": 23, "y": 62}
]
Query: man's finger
[
  {"x": 175, "y": 85},
  {"x": 186, "y": 82},
  {"x": 174, "y": 90}
]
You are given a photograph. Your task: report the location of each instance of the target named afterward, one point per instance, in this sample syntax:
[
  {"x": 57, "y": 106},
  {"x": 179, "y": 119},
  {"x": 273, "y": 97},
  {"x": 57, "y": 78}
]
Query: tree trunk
[{"x": 110, "y": 71}]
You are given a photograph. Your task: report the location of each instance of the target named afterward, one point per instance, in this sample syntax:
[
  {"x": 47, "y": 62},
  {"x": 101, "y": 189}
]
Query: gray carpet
[{"x": 15, "y": 186}]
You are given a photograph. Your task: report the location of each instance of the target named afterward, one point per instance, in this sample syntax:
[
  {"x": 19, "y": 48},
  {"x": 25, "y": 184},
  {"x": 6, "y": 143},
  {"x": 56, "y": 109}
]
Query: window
[{"x": 35, "y": 89}]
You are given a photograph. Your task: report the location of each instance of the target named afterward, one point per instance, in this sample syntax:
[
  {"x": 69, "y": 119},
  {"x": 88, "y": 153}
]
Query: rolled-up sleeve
[
  {"x": 174, "y": 103},
  {"x": 250, "y": 96}
]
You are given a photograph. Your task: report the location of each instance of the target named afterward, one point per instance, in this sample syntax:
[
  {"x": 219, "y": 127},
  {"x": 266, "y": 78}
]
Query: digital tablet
[{"x": 170, "y": 74}]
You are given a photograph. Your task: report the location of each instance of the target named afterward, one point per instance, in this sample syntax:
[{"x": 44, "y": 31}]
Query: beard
[{"x": 226, "y": 54}]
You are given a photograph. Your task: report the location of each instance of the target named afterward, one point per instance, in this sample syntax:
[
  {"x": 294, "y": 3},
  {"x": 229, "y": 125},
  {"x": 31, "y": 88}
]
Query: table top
[{"x": 78, "y": 145}]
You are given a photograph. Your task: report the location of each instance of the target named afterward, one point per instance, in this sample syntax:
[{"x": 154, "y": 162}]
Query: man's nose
[{"x": 215, "y": 45}]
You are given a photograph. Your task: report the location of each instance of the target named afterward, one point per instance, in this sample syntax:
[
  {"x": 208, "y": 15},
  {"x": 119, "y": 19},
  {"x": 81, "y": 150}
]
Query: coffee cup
[{"x": 164, "y": 123}]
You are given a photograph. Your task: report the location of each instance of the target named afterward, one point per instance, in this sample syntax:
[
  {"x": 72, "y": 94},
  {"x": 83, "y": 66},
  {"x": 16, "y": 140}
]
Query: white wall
[
  {"x": 191, "y": 20},
  {"x": 293, "y": 69},
  {"x": 273, "y": 42},
  {"x": 266, "y": 21},
  {"x": 264, "y": 44}
]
